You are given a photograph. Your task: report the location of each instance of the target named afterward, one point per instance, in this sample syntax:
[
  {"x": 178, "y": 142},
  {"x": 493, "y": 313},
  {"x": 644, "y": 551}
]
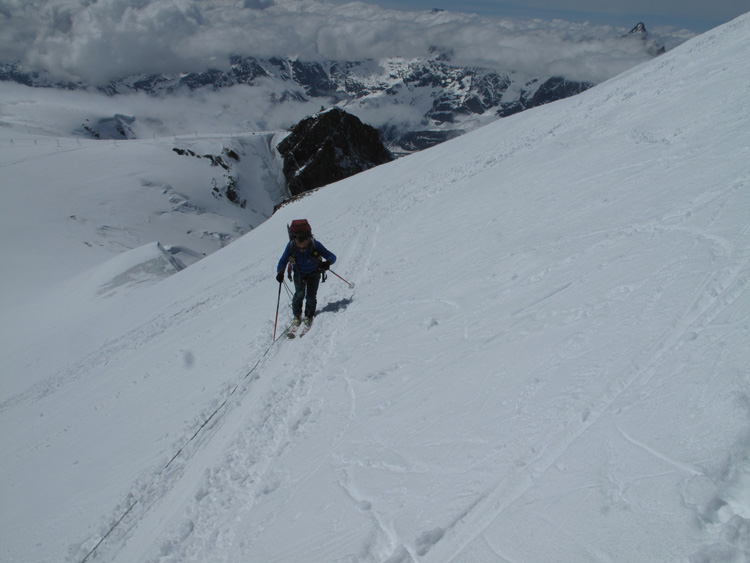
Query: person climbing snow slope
[{"x": 310, "y": 260}]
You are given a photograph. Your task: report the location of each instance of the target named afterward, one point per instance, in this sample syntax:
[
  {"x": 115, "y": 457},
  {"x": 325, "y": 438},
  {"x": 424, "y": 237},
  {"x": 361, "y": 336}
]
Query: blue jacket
[{"x": 305, "y": 262}]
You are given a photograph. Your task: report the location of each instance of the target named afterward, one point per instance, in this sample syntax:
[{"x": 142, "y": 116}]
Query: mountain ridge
[{"x": 450, "y": 99}]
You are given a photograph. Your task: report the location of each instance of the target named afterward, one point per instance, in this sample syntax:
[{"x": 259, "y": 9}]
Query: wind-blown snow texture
[{"x": 545, "y": 358}]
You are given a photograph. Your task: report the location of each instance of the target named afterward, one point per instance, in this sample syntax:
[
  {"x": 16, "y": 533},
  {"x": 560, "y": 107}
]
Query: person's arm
[
  {"x": 325, "y": 253},
  {"x": 284, "y": 259}
]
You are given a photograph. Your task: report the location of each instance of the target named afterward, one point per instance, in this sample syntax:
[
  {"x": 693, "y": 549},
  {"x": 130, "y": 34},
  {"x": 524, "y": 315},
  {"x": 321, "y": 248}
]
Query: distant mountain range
[{"x": 448, "y": 99}]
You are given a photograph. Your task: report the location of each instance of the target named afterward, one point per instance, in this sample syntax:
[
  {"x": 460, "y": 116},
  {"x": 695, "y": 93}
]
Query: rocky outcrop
[
  {"x": 117, "y": 127},
  {"x": 327, "y": 147},
  {"x": 556, "y": 88},
  {"x": 229, "y": 189}
]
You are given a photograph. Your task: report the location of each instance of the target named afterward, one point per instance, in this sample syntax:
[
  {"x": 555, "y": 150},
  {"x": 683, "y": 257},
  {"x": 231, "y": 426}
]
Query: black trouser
[{"x": 305, "y": 289}]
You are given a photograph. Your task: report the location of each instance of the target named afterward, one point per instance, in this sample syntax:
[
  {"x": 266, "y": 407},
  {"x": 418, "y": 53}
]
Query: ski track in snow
[
  {"x": 720, "y": 290},
  {"x": 247, "y": 435}
]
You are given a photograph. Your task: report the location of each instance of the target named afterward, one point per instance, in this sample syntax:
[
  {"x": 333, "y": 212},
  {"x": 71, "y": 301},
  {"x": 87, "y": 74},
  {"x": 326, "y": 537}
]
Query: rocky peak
[
  {"x": 652, "y": 47},
  {"x": 327, "y": 147}
]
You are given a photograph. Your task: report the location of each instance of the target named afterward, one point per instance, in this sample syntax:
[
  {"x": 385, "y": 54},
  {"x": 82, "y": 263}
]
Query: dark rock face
[
  {"x": 414, "y": 141},
  {"x": 556, "y": 88},
  {"x": 328, "y": 147},
  {"x": 230, "y": 189}
]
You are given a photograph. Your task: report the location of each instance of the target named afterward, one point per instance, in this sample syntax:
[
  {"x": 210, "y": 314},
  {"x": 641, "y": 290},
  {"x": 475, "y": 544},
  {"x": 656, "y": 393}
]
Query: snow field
[{"x": 99, "y": 198}]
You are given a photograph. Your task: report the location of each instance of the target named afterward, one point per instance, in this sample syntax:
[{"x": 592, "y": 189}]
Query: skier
[{"x": 310, "y": 258}]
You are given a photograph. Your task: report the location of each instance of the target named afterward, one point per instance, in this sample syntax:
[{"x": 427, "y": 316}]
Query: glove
[
  {"x": 324, "y": 266},
  {"x": 280, "y": 276}
]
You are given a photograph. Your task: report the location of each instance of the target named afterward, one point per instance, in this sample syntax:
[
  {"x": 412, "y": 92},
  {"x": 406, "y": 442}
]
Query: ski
[
  {"x": 292, "y": 330},
  {"x": 305, "y": 329}
]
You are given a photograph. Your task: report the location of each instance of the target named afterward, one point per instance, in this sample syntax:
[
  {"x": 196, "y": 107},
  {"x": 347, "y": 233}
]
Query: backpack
[{"x": 299, "y": 226}]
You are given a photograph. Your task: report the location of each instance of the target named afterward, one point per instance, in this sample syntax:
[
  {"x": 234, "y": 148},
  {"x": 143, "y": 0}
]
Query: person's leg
[
  {"x": 313, "y": 282},
  {"x": 300, "y": 285}
]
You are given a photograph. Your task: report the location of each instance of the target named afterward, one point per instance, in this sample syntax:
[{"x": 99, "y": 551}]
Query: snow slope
[
  {"x": 545, "y": 358},
  {"x": 98, "y": 198}
]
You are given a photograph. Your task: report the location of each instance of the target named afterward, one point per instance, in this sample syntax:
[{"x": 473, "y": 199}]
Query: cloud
[
  {"x": 691, "y": 9},
  {"x": 100, "y": 40}
]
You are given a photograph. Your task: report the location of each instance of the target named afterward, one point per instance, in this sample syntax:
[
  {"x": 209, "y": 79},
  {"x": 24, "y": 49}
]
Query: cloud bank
[{"x": 96, "y": 41}]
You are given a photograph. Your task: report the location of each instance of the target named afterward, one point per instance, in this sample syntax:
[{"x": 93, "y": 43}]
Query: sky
[
  {"x": 96, "y": 42},
  {"x": 696, "y": 15}
]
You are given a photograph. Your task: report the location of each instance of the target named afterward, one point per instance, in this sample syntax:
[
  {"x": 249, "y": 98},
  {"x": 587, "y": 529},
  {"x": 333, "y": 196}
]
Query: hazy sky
[
  {"x": 696, "y": 15},
  {"x": 99, "y": 40}
]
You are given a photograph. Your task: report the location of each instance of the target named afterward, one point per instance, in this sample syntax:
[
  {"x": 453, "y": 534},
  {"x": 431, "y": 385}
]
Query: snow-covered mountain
[
  {"x": 544, "y": 358},
  {"x": 192, "y": 193},
  {"x": 417, "y": 102},
  {"x": 448, "y": 99}
]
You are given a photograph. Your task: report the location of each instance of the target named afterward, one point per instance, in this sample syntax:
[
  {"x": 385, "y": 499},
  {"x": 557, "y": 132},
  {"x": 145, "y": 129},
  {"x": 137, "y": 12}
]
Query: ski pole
[
  {"x": 278, "y": 302},
  {"x": 351, "y": 285}
]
